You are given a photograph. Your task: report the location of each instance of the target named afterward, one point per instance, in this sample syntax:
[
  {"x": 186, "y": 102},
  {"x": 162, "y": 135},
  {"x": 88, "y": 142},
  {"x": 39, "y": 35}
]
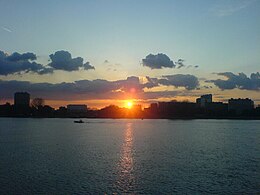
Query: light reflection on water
[{"x": 126, "y": 179}]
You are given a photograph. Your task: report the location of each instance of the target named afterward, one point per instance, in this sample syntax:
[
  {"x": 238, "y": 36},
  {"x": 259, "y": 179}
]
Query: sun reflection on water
[{"x": 126, "y": 179}]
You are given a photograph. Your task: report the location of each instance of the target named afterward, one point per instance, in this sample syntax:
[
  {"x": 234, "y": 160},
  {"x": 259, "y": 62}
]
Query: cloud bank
[
  {"x": 98, "y": 89},
  {"x": 239, "y": 81},
  {"x": 187, "y": 81}
]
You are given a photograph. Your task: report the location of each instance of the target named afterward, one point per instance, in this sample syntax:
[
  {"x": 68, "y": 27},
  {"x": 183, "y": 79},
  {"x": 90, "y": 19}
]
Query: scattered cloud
[
  {"x": 17, "y": 63},
  {"x": 62, "y": 60},
  {"x": 161, "y": 60},
  {"x": 228, "y": 8},
  {"x": 158, "y": 61},
  {"x": 180, "y": 63},
  {"x": 187, "y": 81},
  {"x": 240, "y": 81},
  {"x": 6, "y": 29},
  {"x": 112, "y": 66}
]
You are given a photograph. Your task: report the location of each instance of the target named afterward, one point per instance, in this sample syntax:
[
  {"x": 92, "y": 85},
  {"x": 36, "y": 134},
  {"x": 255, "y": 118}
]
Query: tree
[{"x": 37, "y": 103}]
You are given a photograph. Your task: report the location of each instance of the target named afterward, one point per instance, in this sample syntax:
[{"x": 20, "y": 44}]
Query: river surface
[{"x": 121, "y": 156}]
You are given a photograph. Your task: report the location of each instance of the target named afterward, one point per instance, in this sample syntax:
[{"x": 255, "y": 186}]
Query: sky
[{"x": 101, "y": 52}]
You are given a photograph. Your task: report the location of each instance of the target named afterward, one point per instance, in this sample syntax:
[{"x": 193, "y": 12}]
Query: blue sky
[{"x": 216, "y": 35}]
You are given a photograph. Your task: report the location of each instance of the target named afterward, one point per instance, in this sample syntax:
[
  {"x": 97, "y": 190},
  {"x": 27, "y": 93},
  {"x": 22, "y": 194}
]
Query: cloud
[
  {"x": 228, "y": 8},
  {"x": 21, "y": 63},
  {"x": 158, "y": 61},
  {"x": 62, "y": 60},
  {"x": 131, "y": 87},
  {"x": 240, "y": 81},
  {"x": 180, "y": 63},
  {"x": 17, "y": 63},
  {"x": 18, "y": 57},
  {"x": 161, "y": 60},
  {"x": 187, "y": 81},
  {"x": 6, "y": 29}
]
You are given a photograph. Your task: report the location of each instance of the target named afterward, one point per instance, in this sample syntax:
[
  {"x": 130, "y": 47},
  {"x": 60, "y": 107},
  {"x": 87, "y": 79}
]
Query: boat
[{"x": 79, "y": 121}]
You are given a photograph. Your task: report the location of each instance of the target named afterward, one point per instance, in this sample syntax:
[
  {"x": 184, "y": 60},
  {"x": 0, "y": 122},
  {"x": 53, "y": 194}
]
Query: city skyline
[
  {"x": 204, "y": 107},
  {"x": 100, "y": 53}
]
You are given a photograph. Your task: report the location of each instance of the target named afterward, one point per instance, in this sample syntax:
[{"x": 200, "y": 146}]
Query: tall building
[
  {"x": 22, "y": 99},
  {"x": 240, "y": 105},
  {"x": 203, "y": 100}
]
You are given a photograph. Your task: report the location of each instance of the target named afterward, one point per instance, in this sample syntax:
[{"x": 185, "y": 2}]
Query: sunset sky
[{"x": 101, "y": 52}]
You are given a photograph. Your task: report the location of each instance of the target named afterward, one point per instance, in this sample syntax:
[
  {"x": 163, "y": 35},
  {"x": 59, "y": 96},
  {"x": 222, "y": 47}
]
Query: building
[
  {"x": 216, "y": 108},
  {"x": 176, "y": 109},
  {"x": 22, "y": 99},
  {"x": 137, "y": 108},
  {"x": 154, "y": 108},
  {"x": 77, "y": 108},
  {"x": 239, "y": 106},
  {"x": 203, "y": 100}
]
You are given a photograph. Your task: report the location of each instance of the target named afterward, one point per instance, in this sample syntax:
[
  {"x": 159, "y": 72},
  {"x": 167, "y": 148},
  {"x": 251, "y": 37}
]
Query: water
[{"x": 57, "y": 156}]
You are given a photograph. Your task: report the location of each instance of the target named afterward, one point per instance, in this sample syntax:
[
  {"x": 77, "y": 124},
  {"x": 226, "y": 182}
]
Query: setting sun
[{"x": 129, "y": 104}]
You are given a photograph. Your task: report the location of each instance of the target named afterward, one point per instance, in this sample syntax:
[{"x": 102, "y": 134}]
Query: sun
[{"x": 129, "y": 104}]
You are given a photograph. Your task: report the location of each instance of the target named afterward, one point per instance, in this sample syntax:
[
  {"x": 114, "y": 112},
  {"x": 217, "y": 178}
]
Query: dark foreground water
[{"x": 57, "y": 156}]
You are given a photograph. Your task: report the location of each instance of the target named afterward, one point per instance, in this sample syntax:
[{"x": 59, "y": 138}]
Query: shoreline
[{"x": 169, "y": 118}]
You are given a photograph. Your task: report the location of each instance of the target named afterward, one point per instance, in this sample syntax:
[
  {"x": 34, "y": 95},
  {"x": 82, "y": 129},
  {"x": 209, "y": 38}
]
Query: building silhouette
[
  {"x": 203, "y": 108},
  {"x": 176, "y": 109},
  {"x": 22, "y": 99},
  {"x": 240, "y": 106},
  {"x": 204, "y": 100},
  {"x": 22, "y": 104}
]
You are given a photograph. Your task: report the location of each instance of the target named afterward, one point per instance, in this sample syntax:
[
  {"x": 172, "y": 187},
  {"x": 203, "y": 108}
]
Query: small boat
[{"x": 79, "y": 121}]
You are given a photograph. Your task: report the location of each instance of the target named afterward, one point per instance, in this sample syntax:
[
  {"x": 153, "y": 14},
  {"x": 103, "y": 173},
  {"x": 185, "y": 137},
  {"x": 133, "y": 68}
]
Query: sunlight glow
[{"x": 129, "y": 104}]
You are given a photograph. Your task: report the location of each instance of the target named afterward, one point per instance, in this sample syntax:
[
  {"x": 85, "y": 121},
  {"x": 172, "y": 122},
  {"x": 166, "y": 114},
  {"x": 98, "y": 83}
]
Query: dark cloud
[
  {"x": 17, "y": 63},
  {"x": 21, "y": 63},
  {"x": 158, "y": 61},
  {"x": 187, "y": 81},
  {"x": 240, "y": 81},
  {"x": 161, "y": 60},
  {"x": 18, "y": 57},
  {"x": 62, "y": 60},
  {"x": 131, "y": 87},
  {"x": 180, "y": 63},
  {"x": 152, "y": 82},
  {"x": 82, "y": 89}
]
